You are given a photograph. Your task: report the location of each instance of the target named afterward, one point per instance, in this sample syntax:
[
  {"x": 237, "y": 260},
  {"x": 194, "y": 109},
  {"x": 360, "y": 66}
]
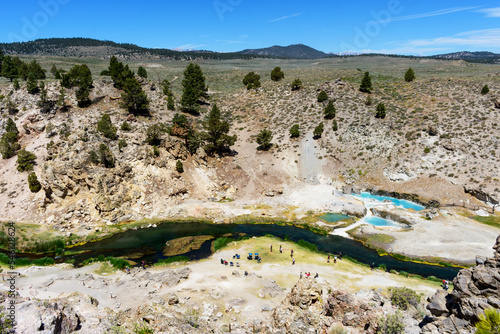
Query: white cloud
[
  {"x": 286, "y": 17},
  {"x": 424, "y": 15},
  {"x": 189, "y": 46},
  {"x": 487, "y": 38},
  {"x": 490, "y": 12}
]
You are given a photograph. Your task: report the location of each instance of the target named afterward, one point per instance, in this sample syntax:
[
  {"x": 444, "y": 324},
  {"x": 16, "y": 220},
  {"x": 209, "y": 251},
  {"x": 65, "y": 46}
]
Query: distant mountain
[
  {"x": 297, "y": 51},
  {"x": 476, "y": 57},
  {"x": 87, "y": 47}
]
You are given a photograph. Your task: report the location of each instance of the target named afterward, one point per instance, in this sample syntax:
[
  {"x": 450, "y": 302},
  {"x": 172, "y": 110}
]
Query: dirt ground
[{"x": 220, "y": 290}]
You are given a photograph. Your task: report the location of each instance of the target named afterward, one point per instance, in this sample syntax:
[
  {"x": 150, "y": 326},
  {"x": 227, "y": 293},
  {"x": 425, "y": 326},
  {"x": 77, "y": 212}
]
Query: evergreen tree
[
  {"x": 25, "y": 160},
  {"x": 16, "y": 85},
  {"x": 9, "y": 145},
  {"x": 125, "y": 126},
  {"x": 32, "y": 85},
  {"x": 179, "y": 167},
  {"x": 11, "y": 126},
  {"x": 170, "y": 102},
  {"x": 409, "y": 75},
  {"x": 105, "y": 127},
  {"x": 329, "y": 111},
  {"x": 322, "y": 96},
  {"x": 366, "y": 83},
  {"x": 22, "y": 68},
  {"x": 485, "y": 90},
  {"x": 154, "y": 134},
  {"x": 165, "y": 85},
  {"x": 9, "y": 69},
  {"x": 334, "y": 125},
  {"x": 142, "y": 72},
  {"x": 33, "y": 183},
  {"x": 119, "y": 73},
  {"x": 294, "y": 131},
  {"x": 318, "y": 131},
  {"x": 82, "y": 96},
  {"x": 35, "y": 69},
  {"x": 216, "y": 133},
  {"x": 11, "y": 107},
  {"x": 194, "y": 88},
  {"x": 134, "y": 99},
  {"x": 107, "y": 157},
  {"x": 44, "y": 103},
  {"x": 296, "y": 84},
  {"x": 380, "y": 111},
  {"x": 53, "y": 70},
  {"x": 57, "y": 75},
  {"x": 251, "y": 80},
  {"x": 1, "y": 61},
  {"x": 61, "y": 101},
  {"x": 264, "y": 140},
  {"x": 277, "y": 74}
]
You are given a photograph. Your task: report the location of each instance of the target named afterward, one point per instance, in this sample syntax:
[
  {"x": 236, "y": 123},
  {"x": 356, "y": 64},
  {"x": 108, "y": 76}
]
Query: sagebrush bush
[{"x": 404, "y": 297}]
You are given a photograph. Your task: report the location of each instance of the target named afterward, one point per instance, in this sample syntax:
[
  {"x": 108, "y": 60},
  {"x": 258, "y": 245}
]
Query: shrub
[
  {"x": 178, "y": 258},
  {"x": 220, "y": 243},
  {"x": 368, "y": 101},
  {"x": 322, "y": 96},
  {"x": 296, "y": 84},
  {"x": 335, "y": 127},
  {"x": 427, "y": 150},
  {"x": 366, "y": 83},
  {"x": 121, "y": 144},
  {"x": 142, "y": 72},
  {"x": 125, "y": 126},
  {"x": 489, "y": 322},
  {"x": 308, "y": 245},
  {"x": 33, "y": 183},
  {"x": 156, "y": 151},
  {"x": 179, "y": 167},
  {"x": 25, "y": 160},
  {"x": 404, "y": 297},
  {"x": 485, "y": 90},
  {"x": 93, "y": 157},
  {"x": 294, "y": 131},
  {"x": 277, "y": 74},
  {"x": 392, "y": 324},
  {"x": 154, "y": 134},
  {"x": 105, "y": 127}
]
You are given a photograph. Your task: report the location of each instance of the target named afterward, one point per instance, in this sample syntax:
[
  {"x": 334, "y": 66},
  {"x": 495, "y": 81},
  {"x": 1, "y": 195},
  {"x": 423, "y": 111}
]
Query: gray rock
[{"x": 437, "y": 304}]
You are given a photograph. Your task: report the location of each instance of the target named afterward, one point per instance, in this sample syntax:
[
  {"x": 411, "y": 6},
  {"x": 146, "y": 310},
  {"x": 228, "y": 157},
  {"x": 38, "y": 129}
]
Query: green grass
[
  {"x": 114, "y": 261},
  {"x": 220, "y": 243},
  {"x": 490, "y": 220},
  {"x": 172, "y": 259}
]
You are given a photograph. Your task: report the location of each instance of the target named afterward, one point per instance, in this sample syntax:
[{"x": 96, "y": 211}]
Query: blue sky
[{"x": 419, "y": 27}]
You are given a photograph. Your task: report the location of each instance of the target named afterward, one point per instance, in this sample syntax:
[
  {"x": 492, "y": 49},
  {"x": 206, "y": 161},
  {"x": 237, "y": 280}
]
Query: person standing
[
  {"x": 328, "y": 261},
  {"x": 293, "y": 261},
  {"x": 281, "y": 250},
  {"x": 271, "y": 248}
]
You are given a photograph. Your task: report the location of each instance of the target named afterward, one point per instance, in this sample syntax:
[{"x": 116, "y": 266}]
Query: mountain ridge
[{"x": 88, "y": 47}]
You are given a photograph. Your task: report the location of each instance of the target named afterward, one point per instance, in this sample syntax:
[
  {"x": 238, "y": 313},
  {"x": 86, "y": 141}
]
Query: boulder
[{"x": 437, "y": 304}]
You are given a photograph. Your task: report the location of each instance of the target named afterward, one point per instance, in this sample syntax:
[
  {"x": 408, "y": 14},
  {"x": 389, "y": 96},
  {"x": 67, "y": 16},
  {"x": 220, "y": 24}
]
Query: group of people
[
  {"x": 308, "y": 274},
  {"x": 335, "y": 257},
  {"x": 445, "y": 285}
]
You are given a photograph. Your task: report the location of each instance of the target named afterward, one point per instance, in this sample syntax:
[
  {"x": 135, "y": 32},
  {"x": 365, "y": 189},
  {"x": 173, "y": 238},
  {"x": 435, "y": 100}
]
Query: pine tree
[
  {"x": 194, "y": 88},
  {"x": 142, "y": 72},
  {"x": 216, "y": 133},
  {"x": 264, "y": 139},
  {"x": 107, "y": 157},
  {"x": 61, "y": 101},
  {"x": 44, "y": 103},
  {"x": 134, "y": 99},
  {"x": 296, "y": 84},
  {"x": 35, "y": 69},
  {"x": 16, "y": 85},
  {"x": 33, "y": 183},
  {"x": 329, "y": 111},
  {"x": 11, "y": 126},
  {"x": 170, "y": 102},
  {"x": 334, "y": 125},
  {"x": 380, "y": 111},
  {"x": 179, "y": 167},
  {"x": 105, "y": 127},
  {"x": 318, "y": 131},
  {"x": 409, "y": 75},
  {"x": 322, "y": 96},
  {"x": 32, "y": 85},
  {"x": 366, "y": 83},
  {"x": 25, "y": 160},
  {"x": 9, "y": 69},
  {"x": 251, "y": 80},
  {"x": 294, "y": 131},
  {"x": 277, "y": 74}
]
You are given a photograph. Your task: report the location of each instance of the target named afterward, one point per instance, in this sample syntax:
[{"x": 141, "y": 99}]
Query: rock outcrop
[{"x": 475, "y": 290}]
